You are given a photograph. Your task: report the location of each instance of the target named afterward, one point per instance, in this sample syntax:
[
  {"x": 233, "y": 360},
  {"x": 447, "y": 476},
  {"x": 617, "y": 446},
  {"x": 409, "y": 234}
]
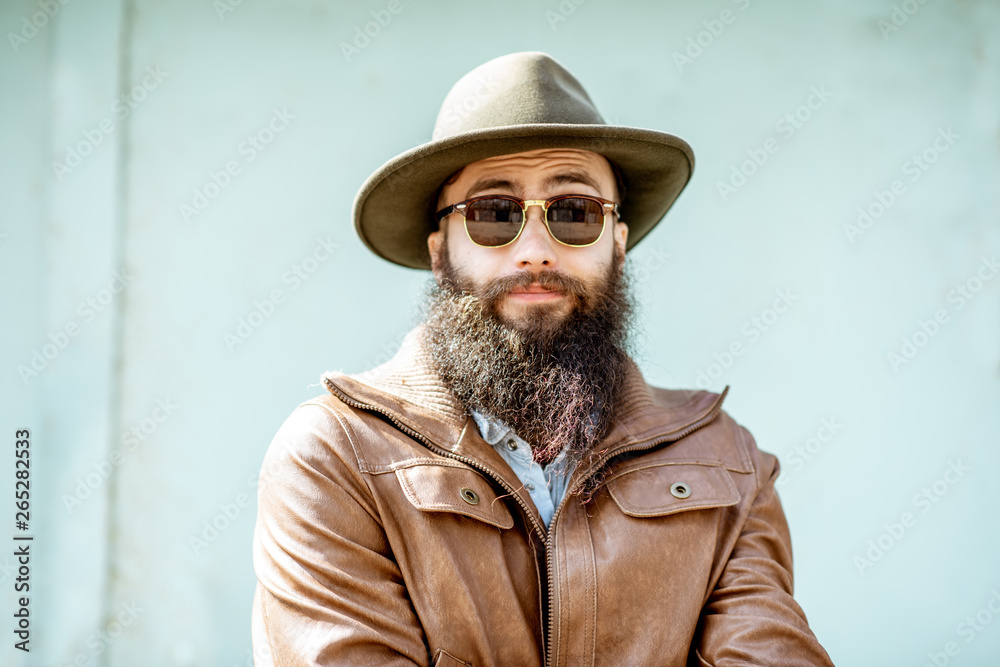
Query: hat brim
[{"x": 394, "y": 209}]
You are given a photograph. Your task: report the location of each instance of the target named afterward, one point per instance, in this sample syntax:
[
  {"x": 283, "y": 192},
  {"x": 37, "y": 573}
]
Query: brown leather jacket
[{"x": 390, "y": 533}]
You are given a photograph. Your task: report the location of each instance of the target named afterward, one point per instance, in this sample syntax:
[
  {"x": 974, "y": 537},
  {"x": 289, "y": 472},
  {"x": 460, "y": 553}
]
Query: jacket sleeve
[
  {"x": 329, "y": 591},
  {"x": 750, "y": 617}
]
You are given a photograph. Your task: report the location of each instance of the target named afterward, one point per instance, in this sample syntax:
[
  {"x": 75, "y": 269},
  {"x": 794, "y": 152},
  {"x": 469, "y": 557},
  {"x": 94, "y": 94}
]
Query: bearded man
[{"x": 508, "y": 490}]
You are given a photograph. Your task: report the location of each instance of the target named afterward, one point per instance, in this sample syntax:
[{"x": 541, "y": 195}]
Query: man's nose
[{"x": 535, "y": 248}]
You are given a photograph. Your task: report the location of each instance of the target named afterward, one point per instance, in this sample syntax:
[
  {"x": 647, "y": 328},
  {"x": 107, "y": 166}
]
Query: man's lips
[{"x": 535, "y": 292}]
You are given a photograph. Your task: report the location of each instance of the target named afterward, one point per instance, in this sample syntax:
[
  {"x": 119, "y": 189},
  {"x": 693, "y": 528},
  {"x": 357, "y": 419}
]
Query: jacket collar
[{"x": 407, "y": 390}]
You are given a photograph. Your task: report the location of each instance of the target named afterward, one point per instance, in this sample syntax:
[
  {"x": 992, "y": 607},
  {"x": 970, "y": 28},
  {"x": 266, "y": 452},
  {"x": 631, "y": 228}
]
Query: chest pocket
[
  {"x": 455, "y": 489},
  {"x": 668, "y": 488}
]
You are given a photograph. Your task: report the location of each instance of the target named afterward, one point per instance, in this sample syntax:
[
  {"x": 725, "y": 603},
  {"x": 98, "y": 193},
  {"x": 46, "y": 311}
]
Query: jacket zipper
[
  {"x": 551, "y": 538},
  {"x": 548, "y": 537}
]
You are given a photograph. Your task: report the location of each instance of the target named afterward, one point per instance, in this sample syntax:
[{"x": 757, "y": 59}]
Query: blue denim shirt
[{"x": 545, "y": 484}]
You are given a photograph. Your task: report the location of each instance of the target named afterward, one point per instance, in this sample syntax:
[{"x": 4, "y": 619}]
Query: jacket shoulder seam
[
  {"x": 744, "y": 446},
  {"x": 351, "y": 437}
]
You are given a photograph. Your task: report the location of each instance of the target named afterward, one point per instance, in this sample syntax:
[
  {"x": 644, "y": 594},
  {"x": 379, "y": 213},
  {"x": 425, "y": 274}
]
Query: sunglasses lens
[
  {"x": 576, "y": 221},
  {"x": 493, "y": 222}
]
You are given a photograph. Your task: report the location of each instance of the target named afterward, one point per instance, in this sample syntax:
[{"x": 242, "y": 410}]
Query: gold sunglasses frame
[{"x": 609, "y": 207}]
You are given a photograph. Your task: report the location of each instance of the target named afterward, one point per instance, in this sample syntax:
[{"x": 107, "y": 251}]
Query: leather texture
[{"x": 389, "y": 533}]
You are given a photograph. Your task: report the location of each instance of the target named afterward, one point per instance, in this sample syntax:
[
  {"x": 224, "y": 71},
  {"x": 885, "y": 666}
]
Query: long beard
[{"x": 558, "y": 384}]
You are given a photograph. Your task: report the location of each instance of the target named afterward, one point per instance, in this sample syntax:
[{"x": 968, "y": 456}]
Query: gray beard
[{"x": 559, "y": 385}]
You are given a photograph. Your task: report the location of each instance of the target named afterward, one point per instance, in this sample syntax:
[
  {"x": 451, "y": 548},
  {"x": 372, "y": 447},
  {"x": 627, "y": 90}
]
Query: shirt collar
[{"x": 492, "y": 429}]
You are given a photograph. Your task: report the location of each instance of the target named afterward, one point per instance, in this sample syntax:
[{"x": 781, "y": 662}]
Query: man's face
[
  {"x": 524, "y": 265},
  {"x": 534, "y": 333}
]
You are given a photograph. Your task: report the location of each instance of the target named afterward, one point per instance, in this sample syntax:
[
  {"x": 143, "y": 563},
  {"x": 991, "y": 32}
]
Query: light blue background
[{"x": 713, "y": 264}]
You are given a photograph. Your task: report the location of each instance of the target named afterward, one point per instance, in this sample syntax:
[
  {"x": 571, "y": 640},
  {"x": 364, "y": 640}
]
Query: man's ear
[
  {"x": 435, "y": 245},
  {"x": 621, "y": 236}
]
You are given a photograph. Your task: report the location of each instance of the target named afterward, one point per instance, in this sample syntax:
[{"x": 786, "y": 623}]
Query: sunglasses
[{"x": 493, "y": 221}]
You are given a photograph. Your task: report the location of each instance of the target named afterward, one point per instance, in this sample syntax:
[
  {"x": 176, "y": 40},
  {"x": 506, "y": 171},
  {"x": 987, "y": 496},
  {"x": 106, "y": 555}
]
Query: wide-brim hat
[{"x": 514, "y": 103}]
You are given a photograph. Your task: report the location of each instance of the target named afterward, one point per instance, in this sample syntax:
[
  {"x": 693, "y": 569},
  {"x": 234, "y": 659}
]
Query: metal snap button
[
  {"x": 680, "y": 490},
  {"x": 511, "y": 445},
  {"x": 529, "y": 486},
  {"x": 469, "y": 496}
]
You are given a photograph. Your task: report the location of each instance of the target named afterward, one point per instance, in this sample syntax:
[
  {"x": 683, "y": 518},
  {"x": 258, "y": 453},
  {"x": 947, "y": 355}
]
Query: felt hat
[{"x": 514, "y": 103}]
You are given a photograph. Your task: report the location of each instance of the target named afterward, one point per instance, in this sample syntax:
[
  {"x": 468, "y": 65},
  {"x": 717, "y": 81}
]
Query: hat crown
[{"x": 517, "y": 89}]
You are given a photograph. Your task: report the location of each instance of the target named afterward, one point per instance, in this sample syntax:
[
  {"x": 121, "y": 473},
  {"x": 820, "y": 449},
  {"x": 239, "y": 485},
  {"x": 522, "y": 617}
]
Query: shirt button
[
  {"x": 529, "y": 486},
  {"x": 511, "y": 445}
]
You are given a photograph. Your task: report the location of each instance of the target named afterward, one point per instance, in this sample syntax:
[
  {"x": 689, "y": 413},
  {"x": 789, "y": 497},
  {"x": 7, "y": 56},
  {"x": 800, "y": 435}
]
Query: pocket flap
[
  {"x": 445, "y": 659},
  {"x": 458, "y": 490},
  {"x": 667, "y": 488}
]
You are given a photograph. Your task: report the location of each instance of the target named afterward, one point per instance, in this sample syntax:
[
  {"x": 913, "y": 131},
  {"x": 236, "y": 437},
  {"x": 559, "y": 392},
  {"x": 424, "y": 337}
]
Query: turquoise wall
[{"x": 169, "y": 167}]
